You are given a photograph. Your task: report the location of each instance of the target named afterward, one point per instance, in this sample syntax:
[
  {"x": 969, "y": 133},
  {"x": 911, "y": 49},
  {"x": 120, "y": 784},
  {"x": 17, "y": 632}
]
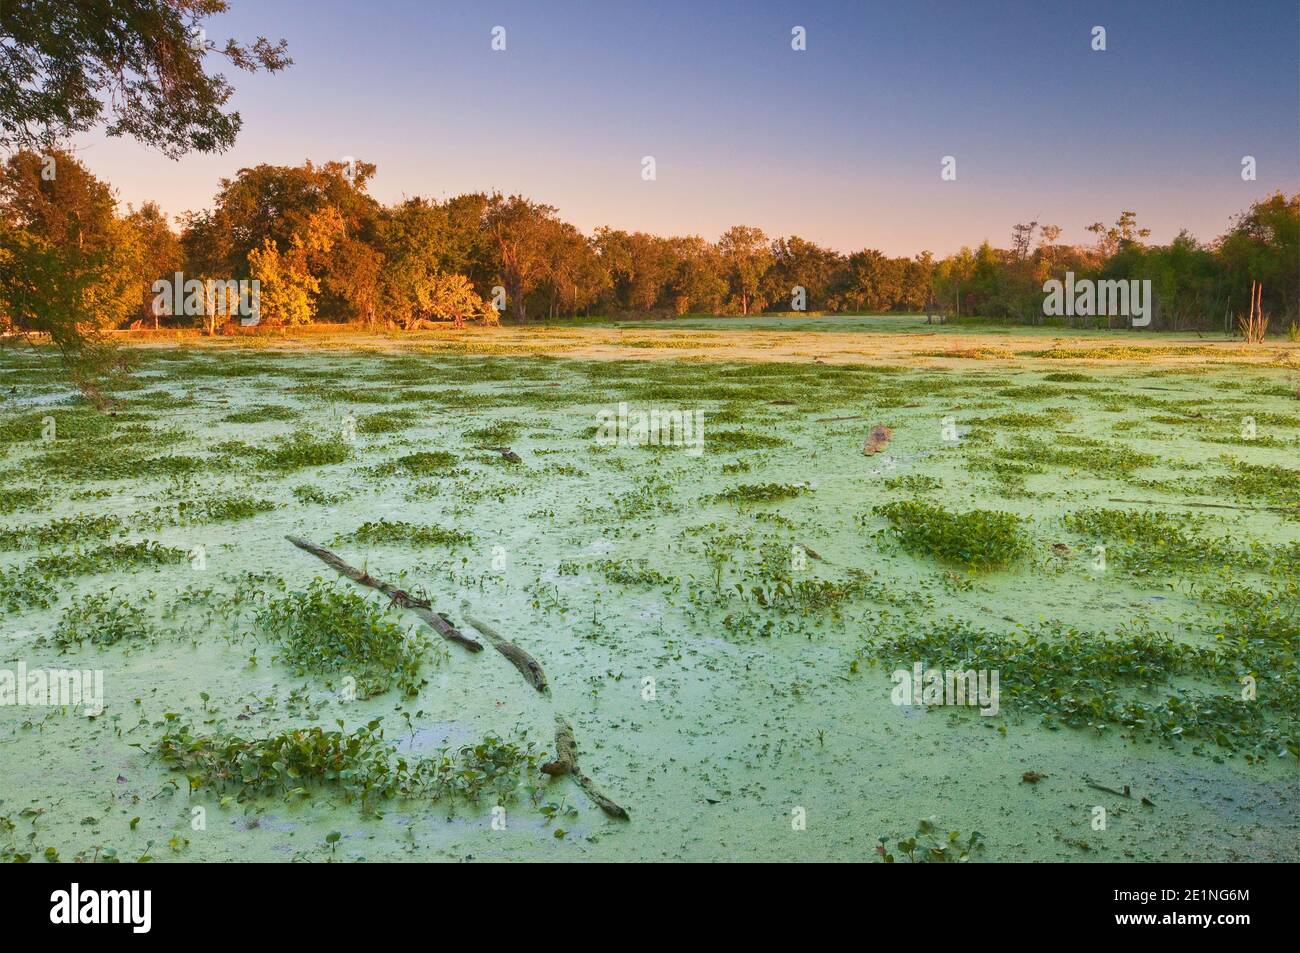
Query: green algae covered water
[{"x": 719, "y": 614}]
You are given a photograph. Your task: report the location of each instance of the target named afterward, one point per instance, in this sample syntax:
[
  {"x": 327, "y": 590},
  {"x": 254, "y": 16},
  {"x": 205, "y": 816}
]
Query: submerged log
[
  {"x": 421, "y": 607},
  {"x": 527, "y": 665},
  {"x": 566, "y": 762}
]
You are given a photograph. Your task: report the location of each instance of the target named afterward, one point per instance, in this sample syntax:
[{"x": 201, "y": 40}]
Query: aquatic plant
[
  {"x": 926, "y": 847},
  {"x": 385, "y": 532},
  {"x": 328, "y": 629},
  {"x": 102, "y": 619},
  {"x": 979, "y": 540},
  {"x": 359, "y": 764}
]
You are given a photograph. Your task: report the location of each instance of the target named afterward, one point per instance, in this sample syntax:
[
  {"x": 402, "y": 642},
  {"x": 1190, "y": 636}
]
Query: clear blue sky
[{"x": 840, "y": 144}]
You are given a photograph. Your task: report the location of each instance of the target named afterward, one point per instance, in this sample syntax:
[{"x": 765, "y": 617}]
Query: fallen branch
[
  {"x": 1101, "y": 787},
  {"x": 566, "y": 762},
  {"x": 527, "y": 665},
  {"x": 421, "y": 607},
  {"x": 826, "y": 420}
]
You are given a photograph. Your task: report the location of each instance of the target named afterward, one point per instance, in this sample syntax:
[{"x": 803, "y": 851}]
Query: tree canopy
[{"x": 136, "y": 66}]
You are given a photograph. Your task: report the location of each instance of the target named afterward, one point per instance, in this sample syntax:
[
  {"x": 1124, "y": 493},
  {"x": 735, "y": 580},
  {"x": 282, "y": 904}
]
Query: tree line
[{"x": 324, "y": 250}]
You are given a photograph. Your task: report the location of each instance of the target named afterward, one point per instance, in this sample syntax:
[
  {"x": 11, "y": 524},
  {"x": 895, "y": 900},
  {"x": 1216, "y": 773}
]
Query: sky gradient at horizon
[{"x": 840, "y": 144}]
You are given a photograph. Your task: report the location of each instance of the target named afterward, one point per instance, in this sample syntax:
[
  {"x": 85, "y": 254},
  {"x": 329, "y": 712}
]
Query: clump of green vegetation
[
  {"x": 15, "y": 498},
  {"x": 1049, "y": 417},
  {"x": 109, "y": 460},
  {"x": 384, "y": 532},
  {"x": 501, "y": 432},
  {"x": 302, "y": 449},
  {"x": 21, "y": 589},
  {"x": 762, "y": 492},
  {"x": 113, "y": 557},
  {"x": 728, "y": 441},
  {"x": 633, "y": 575},
  {"x": 1095, "y": 680},
  {"x": 1148, "y": 541},
  {"x": 61, "y": 532},
  {"x": 359, "y": 764},
  {"x": 390, "y": 421},
  {"x": 422, "y": 463},
  {"x": 1094, "y": 456},
  {"x": 70, "y": 423},
  {"x": 1031, "y": 392},
  {"x": 1069, "y": 377},
  {"x": 326, "y": 629},
  {"x": 979, "y": 540},
  {"x": 102, "y": 619},
  {"x": 650, "y": 495},
  {"x": 1253, "y": 482},
  {"x": 35, "y": 585},
  {"x": 312, "y": 494},
  {"x": 261, "y": 414},
  {"x": 913, "y": 483},
  {"x": 925, "y": 847},
  {"x": 219, "y": 510}
]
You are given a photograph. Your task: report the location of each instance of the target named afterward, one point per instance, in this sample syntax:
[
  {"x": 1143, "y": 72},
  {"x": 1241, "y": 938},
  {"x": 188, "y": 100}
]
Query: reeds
[{"x": 1254, "y": 327}]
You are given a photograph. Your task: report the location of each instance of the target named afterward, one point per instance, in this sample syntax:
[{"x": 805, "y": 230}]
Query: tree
[
  {"x": 64, "y": 65},
  {"x": 518, "y": 230},
  {"x": 452, "y": 296},
  {"x": 286, "y": 284},
  {"x": 46, "y": 288},
  {"x": 278, "y": 202},
  {"x": 1264, "y": 245},
  {"x": 356, "y": 279},
  {"x": 58, "y": 203},
  {"x": 746, "y": 255},
  {"x": 573, "y": 274},
  {"x": 158, "y": 254},
  {"x": 1119, "y": 236},
  {"x": 697, "y": 283},
  {"x": 796, "y": 262}
]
